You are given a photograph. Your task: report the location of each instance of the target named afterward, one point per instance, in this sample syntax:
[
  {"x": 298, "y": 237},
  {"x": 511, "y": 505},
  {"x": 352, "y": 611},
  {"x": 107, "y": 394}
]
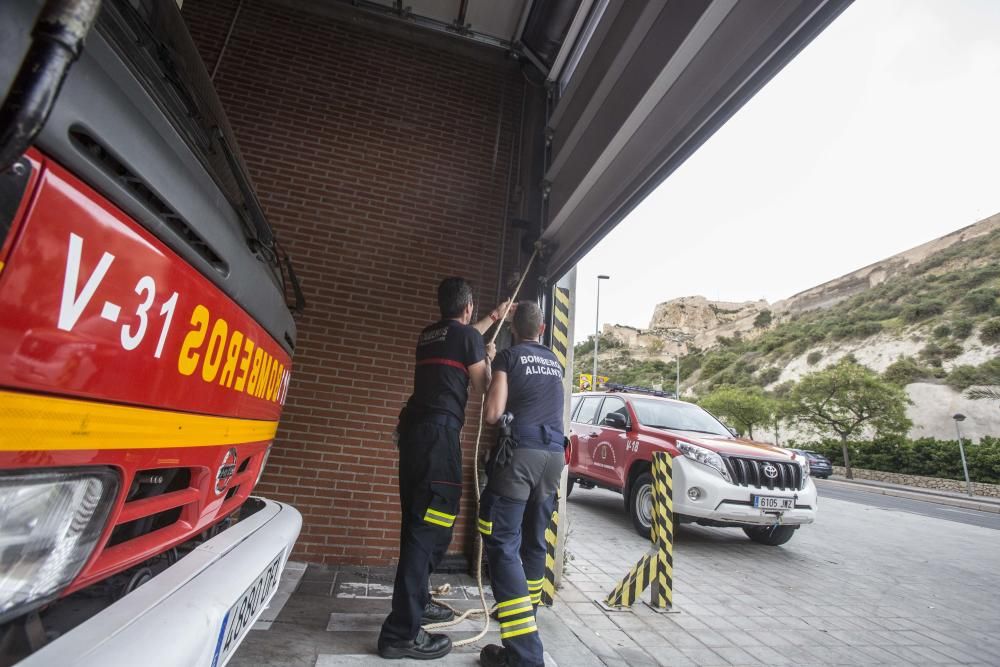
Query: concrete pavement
[{"x": 865, "y": 585}]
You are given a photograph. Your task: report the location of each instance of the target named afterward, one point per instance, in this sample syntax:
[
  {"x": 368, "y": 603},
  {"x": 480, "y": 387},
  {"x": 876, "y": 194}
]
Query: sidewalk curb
[{"x": 981, "y": 506}]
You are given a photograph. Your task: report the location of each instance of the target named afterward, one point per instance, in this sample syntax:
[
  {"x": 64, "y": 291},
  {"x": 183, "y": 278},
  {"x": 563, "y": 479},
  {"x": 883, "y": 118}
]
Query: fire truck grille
[
  {"x": 124, "y": 532},
  {"x": 168, "y": 508},
  {"x": 782, "y": 475},
  {"x": 156, "y": 499}
]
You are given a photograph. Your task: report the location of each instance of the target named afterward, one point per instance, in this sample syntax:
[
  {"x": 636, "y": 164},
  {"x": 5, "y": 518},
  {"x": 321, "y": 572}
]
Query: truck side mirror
[
  {"x": 732, "y": 430},
  {"x": 615, "y": 420}
]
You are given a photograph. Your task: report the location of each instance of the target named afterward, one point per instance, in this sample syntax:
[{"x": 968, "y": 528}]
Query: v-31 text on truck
[
  {"x": 718, "y": 479},
  {"x": 145, "y": 347}
]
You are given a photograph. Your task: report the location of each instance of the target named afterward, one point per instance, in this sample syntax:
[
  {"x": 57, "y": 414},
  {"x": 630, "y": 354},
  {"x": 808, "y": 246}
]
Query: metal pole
[
  {"x": 965, "y": 468},
  {"x": 225, "y": 42},
  {"x": 597, "y": 334},
  {"x": 569, "y": 281}
]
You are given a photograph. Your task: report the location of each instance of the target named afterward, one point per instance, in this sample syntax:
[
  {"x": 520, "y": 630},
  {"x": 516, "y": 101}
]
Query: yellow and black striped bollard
[
  {"x": 549, "y": 585},
  {"x": 560, "y": 346},
  {"x": 656, "y": 568}
]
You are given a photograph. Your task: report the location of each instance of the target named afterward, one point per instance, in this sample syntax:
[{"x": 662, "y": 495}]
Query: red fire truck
[{"x": 145, "y": 347}]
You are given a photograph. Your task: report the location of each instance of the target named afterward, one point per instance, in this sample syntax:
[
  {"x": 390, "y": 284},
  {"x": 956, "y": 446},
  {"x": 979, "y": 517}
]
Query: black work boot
[
  {"x": 493, "y": 656},
  {"x": 435, "y": 613},
  {"x": 425, "y": 647}
]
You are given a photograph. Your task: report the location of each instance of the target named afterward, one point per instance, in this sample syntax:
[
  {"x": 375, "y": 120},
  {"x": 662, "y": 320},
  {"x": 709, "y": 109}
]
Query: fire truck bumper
[{"x": 195, "y": 612}]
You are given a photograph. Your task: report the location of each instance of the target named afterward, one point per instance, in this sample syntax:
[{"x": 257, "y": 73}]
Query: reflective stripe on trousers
[{"x": 515, "y": 531}]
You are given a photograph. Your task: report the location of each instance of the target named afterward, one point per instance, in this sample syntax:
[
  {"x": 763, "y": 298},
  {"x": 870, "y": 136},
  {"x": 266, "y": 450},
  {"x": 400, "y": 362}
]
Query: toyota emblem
[
  {"x": 770, "y": 471},
  {"x": 226, "y": 470}
]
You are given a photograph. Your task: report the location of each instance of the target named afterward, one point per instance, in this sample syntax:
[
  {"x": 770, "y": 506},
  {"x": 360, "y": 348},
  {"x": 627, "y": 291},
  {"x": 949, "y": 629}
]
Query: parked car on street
[
  {"x": 819, "y": 465},
  {"x": 718, "y": 478}
]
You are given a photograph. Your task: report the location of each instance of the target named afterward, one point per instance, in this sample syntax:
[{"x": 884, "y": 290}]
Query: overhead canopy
[
  {"x": 542, "y": 31},
  {"x": 651, "y": 83},
  {"x": 489, "y": 20}
]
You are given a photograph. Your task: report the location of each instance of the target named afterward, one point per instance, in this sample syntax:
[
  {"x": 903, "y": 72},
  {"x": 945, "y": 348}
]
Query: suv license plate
[
  {"x": 244, "y": 613},
  {"x": 773, "y": 503}
]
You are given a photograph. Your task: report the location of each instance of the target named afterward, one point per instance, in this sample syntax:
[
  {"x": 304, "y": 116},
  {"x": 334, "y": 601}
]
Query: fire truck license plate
[
  {"x": 244, "y": 613},
  {"x": 773, "y": 503}
]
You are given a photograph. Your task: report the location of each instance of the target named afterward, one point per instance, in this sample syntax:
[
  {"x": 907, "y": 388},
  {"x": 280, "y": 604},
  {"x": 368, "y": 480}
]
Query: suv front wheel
[
  {"x": 640, "y": 504},
  {"x": 772, "y": 536}
]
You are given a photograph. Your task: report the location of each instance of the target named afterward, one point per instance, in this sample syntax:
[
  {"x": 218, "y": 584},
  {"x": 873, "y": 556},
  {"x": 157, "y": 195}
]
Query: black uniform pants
[
  {"x": 514, "y": 512},
  {"x": 430, "y": 487}
]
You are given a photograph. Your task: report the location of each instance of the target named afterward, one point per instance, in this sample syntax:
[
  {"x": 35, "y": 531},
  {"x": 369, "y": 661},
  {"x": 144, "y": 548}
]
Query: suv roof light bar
[{"x": 614, "y": 386}]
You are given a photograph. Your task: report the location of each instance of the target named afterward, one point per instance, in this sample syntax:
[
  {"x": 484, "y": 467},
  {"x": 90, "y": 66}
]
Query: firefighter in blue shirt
[
  {"x": 450, "y": 355},
  {"x": 517, "y": 504}
]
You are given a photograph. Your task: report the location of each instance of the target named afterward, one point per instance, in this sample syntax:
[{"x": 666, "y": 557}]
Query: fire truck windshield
[{"x": 150, "y": 37}]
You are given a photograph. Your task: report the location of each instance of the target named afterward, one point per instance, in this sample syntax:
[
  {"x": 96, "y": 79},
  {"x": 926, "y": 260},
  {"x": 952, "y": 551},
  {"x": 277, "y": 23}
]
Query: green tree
[
  {"x": 845, "y": 398},
  {"x": 942, "y": 331},
  {"x": 981, "y": 300},
  {"x": 905, "y": 370},
  {"x": 781, "y": 409},
  {"x": 921, "y": 310},
  {"x": 716, "y": 361},
  {"x": 763, "y": 319},
  {"x": 769, "y": 375},
  {"x": 990, "y": 333},
  {"x": 962, "y": 328},
  {"x": 743, "y": 408},
  {"x": 965, "y": 376}
]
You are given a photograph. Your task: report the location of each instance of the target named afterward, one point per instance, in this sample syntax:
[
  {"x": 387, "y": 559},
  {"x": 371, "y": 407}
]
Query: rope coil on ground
[{"x": 445, "y": 588}]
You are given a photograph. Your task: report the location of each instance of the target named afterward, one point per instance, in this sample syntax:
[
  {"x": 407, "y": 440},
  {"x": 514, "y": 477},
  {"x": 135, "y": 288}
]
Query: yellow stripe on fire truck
[{"x": 39, "y": 423}]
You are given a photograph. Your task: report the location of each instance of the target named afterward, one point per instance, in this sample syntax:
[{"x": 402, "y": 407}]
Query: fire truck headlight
[{"x": 50, "y": 522}]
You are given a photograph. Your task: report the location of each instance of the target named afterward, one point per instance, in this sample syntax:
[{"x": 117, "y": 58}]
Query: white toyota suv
[{"x": 718, "y": 479}]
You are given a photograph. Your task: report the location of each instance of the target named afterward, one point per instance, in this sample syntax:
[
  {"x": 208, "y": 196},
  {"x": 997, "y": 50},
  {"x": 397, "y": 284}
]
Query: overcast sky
[{"x": 882, "y": 134}]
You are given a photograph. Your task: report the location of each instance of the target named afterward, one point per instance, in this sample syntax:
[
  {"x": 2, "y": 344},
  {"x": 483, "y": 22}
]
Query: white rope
[{"x": 445, "y": 588}]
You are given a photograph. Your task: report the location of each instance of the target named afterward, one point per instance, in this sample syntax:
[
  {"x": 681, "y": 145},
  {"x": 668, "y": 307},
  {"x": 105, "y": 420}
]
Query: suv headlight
[
  {"x": 50, "y": 522},
  {"x": 704, "y": 456},
  {"x": 805, "y": 466}
]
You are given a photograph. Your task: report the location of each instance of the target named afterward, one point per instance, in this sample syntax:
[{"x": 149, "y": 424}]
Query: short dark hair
[
  {"x": 454, "y": 294},
  {"x": 527, "y": 320}
]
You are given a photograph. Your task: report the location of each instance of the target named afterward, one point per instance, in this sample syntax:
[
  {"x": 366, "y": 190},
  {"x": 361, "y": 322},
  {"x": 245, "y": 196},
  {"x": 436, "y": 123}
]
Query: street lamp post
[
  {"x": 959, "y": 418},
  {"x": 678, "y": 338},
  {"x": 597, "y": 331}
]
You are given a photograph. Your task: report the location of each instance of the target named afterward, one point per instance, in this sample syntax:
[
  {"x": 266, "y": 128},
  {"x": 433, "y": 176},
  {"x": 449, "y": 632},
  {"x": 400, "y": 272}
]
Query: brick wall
[{"x": 374, "y": 159}]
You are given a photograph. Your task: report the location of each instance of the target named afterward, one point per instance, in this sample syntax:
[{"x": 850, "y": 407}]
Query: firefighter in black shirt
[
  {"x": 450, "y": 355},
  {"x": 515, "y": 508}
]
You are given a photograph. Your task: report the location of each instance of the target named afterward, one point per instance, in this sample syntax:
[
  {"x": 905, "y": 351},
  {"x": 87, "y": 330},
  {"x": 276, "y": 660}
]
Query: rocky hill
[
  {"x": 834, "y": 291},
  {"x": 928, "y": 318}
]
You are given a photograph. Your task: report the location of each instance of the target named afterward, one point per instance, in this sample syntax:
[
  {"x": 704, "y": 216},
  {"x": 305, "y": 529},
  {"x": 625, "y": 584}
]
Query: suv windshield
[{"x": 676, "y": 416}]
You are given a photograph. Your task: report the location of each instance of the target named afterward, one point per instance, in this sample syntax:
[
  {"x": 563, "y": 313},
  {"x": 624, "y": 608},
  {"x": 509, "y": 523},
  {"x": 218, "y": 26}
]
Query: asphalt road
[{"x": 930, "y": 509}]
